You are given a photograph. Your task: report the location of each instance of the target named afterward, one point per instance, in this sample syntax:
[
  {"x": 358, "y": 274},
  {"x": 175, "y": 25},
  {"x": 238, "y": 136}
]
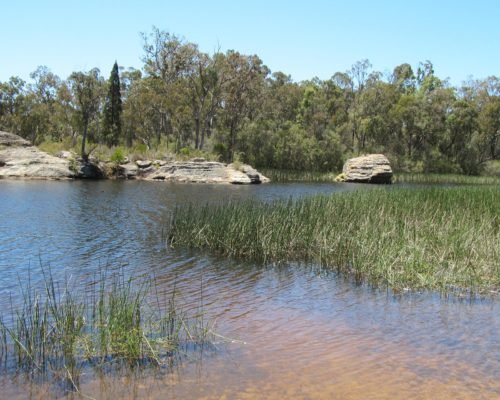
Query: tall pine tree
[{"x": 112, "y": 125}]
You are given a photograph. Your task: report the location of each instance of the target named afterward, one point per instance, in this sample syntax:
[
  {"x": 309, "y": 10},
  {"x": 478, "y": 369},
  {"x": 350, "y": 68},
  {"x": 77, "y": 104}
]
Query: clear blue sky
[{"x": 301, "y": 38}]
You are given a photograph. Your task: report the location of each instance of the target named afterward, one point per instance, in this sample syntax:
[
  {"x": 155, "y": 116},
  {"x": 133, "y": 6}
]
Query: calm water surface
[{"x": 298, "y": 332}]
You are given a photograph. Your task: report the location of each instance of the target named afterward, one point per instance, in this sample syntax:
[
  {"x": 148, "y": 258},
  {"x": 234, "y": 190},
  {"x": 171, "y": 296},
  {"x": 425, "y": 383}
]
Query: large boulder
[
  {"x": 18, "y": 160},
  {"x": 372, "y": 168}
]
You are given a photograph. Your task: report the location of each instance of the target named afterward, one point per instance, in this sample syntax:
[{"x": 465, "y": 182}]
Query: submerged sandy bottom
[{"x": 301, "y": 333}]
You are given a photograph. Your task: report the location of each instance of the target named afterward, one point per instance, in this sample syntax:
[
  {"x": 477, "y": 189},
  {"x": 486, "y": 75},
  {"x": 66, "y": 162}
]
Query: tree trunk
[
  {"x": 197, "y": 134},
  {"x": 84, "y": 139},
  {"x": 232, "y": 143}
]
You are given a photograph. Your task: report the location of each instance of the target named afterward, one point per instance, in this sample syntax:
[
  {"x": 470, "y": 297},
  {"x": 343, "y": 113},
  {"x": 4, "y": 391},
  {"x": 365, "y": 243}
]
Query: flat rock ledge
[
  {"x": 201, "y": 171},
  {"x": 20, "y": 160},
  {"x": 371, "y": 168}
]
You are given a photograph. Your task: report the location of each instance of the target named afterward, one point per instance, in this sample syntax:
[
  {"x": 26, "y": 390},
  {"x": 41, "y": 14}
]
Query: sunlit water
[{"x": 296, "y": 331}]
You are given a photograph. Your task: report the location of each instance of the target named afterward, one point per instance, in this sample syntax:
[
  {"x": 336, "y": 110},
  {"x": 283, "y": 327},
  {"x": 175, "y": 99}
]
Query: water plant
[
  {"x": 116, "y": 324},
  {"x": 454, "y": 179},
  {"x": 329, "y": 177},
  {"x": 433, "y": 238}
]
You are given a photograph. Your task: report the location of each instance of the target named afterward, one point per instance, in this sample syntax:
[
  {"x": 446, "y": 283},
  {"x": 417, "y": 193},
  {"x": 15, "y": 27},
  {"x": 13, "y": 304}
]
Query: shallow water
[{"x": 297, "y": 331}]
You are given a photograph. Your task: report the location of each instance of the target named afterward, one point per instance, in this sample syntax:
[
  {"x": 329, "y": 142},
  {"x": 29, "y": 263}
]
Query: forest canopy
[{"x": 231, "y": 105}]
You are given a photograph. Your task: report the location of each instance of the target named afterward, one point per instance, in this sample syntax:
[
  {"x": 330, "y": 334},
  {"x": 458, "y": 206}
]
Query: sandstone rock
[
  {"x": 250, "y": 172},
  {"x": 90, "y": 170},
  {"x": 205, "y": 172},
  {"x": 189, "y": 171},
  {"x": 143, "y": 163},
  {"x": 127, "y": 171},
  {"x": 67, "y": 155},
  {"x": 11, "y": 140},
  {"x": 237, "y": 177},
  {"x": 372, "y": 168},
  {"x": 18, "y": 159}
]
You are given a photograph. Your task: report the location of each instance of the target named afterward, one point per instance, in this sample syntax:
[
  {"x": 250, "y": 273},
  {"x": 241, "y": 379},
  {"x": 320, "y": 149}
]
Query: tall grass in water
[
  {"x": 54, "y": 334},
  {"x": 446, "y": 179},
  {"x": 435, "y": 238},
  {"x": 279, "y": 175},
  {"x": 311, "y": 176}
]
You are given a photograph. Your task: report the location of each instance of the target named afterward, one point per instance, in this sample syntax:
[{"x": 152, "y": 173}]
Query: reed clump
[
  {"x": 280, "y": 175},
  {"x": 120, "y": 323},
  {"x": 453, "y": 179},
  {"x": 431, "y": 238},
  {"x": 418, "y": 178}
]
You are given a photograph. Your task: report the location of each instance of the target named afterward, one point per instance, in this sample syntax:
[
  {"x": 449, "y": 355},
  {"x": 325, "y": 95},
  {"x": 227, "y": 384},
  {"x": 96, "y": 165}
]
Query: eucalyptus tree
[
  {"x": 87, "y": 92},
  {"x": 12, "y": 95},
  {"x": 358, "y": 76},
  {"x": 40, "y": 108},
  {"x": 169, "y": 61},
  {"x": 403, "y": 78},
  {"x": 460, "y": 145},
  {"x": 489, "y": 119},
  {"x": 245, "y": 82},
  {"x": 206, "y": 86}
]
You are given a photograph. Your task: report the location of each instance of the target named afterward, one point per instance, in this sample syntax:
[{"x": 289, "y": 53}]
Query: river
[{"x": 296, "y": 332}]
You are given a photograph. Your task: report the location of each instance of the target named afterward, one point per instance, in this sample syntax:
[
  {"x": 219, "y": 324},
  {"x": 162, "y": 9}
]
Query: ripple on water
[{"x": 302, "y": 333}]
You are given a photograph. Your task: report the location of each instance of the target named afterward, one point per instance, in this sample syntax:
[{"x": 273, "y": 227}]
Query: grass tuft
[{"x": 54, "y": 335}]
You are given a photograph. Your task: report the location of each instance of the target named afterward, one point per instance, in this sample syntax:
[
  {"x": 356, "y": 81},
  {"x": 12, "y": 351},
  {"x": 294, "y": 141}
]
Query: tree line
[{"x": 232, "y": 105}]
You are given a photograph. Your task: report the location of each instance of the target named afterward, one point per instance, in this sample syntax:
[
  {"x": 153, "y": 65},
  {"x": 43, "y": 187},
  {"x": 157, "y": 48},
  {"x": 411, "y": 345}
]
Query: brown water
[{"x": 292, "y": 332}]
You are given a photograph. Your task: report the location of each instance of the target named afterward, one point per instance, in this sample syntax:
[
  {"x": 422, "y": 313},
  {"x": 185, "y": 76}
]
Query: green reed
[
  {"x": 433, "y": 238},
  {"x": 454, "y": 179},
  {"x": 318, "y": 177},
  {"x": 118, "y": 323},
  {"x": 280, "y": 175}
]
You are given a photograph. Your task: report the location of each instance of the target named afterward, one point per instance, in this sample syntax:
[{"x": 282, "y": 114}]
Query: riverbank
[
  {"x": 20, "y": 160},
  {"x": 444, "y": 239}
]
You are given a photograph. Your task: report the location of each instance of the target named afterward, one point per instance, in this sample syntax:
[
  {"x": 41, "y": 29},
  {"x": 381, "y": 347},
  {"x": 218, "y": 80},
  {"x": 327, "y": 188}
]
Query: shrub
[{"x": 118, "y": 156}]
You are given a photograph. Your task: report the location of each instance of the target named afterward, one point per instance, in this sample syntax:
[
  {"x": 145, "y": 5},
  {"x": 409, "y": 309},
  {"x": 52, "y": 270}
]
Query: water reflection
[{"x": 299, "y": 332}]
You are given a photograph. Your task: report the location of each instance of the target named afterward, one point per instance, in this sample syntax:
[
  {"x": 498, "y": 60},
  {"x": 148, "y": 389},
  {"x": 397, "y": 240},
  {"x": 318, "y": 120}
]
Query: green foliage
[
  {"x": 492, "y": 168},
  {"x": 140, "y": 148},
  {"x": 231, "y": 103},
  {"x": 118, "y": 156},
  {"x": 112, "y": 123},
  {"x": 221, "y": 150}
]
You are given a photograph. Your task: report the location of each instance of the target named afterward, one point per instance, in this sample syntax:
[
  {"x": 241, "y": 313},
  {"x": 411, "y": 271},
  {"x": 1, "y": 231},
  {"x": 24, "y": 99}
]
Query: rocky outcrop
[
  {"x": 18, "y": 159},
  {"x": 11, "y": 140},
  {"x": 372, "y": 168},
  {"x": 89, "y": 170},
  {"x": 201, "y": 171},
  {"x": 126, "y": 171},
  {"x": 251, "y": 173}
]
